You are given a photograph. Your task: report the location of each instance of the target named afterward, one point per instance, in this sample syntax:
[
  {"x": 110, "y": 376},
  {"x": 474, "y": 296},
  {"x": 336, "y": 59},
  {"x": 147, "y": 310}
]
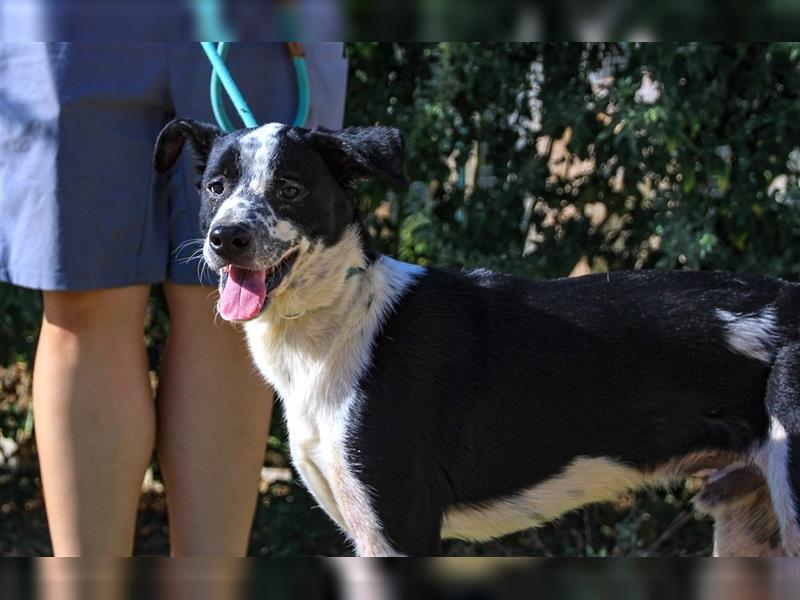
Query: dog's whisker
[
  {"x": 200, "y": 269},
  {"x": 187, "y": 244},
  {"x": 191, "y": 241},
  {"x": 196, "y": 256},
  {"x": 183, "y": 246},
  {"x": 184, "y": 261},
  {"x": 204, "y": 270}
]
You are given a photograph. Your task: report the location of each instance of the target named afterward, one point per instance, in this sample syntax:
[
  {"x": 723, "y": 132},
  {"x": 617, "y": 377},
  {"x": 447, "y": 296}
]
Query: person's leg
[
  {"x": 213, "y": 421},
  {"x": 94, "y": 417}
]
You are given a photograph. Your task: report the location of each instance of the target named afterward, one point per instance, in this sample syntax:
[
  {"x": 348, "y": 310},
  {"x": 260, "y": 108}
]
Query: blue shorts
[{"x": 80, "y": 205}]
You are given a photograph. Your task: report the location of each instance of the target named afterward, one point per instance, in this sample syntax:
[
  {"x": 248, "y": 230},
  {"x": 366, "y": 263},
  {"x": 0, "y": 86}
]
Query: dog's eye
[
  {"x": 289, "y": 192},
  {"x": 216, "y": 187}
]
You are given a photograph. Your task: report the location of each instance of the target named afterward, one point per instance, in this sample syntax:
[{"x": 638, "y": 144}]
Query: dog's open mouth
[{"x": 244, "y": 293}]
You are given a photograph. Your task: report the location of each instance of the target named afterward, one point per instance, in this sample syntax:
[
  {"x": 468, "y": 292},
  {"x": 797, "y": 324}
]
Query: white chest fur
[{"x": 314, "y": 362}]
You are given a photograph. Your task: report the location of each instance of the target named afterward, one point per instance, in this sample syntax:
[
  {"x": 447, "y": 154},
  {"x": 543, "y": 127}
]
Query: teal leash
[
  {"x": 215, "y": 91},
  {"x": 221, "y": 76},
  {"x": 303, "y": 91}
]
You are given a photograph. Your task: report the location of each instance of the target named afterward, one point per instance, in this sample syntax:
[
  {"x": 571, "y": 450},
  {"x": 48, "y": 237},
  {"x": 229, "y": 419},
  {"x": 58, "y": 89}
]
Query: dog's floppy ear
[
  {"x": 175, "y": 133},
  {"x": 358, "y": 153}
]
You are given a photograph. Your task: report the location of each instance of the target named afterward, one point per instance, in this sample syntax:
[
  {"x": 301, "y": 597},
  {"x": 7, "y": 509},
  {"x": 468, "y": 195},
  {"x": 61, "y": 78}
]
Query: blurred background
[{"x": 544, "y": 160}]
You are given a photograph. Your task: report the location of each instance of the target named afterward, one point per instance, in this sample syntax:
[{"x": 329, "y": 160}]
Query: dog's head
[{"x": 273, "y": 194}]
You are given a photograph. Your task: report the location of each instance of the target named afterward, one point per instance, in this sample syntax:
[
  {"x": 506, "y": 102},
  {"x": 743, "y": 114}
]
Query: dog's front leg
[
  {"x": 390, "y": 518},
  {"x": 334, "y": 484},
  {"x": 360, "y": 518}
]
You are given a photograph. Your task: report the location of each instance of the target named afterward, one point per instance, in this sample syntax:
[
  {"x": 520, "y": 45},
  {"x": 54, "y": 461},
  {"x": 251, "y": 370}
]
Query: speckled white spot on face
[
  {"x": 232, "y": 210},
  {"x": 264, "y": 216},
  {"x": 258, "y": 150},
  {"x": 283, "y": 230}
]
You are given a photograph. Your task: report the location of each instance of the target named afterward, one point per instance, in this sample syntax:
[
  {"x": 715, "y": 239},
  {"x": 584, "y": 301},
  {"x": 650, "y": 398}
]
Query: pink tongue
[{"x": 243, "y": 295}]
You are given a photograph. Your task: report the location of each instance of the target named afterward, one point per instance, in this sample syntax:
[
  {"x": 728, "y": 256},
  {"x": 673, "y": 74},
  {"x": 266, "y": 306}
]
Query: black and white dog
[{"x": 425, "y": 404}]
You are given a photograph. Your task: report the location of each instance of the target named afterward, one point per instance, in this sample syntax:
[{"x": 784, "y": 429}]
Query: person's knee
[{"x": 113, "y": 310}]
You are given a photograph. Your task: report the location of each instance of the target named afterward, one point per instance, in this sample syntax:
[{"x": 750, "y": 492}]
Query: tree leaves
[{"x": 690, "y": 162}]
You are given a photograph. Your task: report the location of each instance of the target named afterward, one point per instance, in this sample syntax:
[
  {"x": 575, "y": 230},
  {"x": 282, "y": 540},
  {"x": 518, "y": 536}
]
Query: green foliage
[
  {"x": 681, "y": 182},
  {"x": 533, "y": 158},
  {"x": 20, "y": 314}
]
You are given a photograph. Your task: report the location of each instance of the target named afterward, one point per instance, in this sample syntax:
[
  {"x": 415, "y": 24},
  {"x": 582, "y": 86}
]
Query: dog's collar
[
  {"x": 350, "y": 272},
  {"x": 353, "y": 271},
  {"x": 293, "y": 316}
]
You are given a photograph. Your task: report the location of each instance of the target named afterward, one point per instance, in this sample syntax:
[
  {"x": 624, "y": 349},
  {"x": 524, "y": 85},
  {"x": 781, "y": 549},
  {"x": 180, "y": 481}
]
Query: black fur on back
[{"x": 482, "y": 385}]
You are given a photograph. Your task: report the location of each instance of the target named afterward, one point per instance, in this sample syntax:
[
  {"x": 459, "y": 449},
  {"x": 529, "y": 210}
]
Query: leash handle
[
  {"x": 221, "y": 74},
  {"x": 303, "y": 89},
  {"x": 215, "y": 91}
]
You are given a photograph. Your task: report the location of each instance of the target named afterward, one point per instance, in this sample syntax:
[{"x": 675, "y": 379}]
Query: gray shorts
[{"x": 80, "y": 205}]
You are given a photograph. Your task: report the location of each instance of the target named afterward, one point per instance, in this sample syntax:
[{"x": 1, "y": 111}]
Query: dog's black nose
[{"x": 229, "y": 241}]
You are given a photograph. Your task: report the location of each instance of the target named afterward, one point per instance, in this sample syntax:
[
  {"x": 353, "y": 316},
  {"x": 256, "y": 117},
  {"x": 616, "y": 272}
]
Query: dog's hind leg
[
  {"x": 779, "y": 457},
  {"x": 745, "y": 523}
]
